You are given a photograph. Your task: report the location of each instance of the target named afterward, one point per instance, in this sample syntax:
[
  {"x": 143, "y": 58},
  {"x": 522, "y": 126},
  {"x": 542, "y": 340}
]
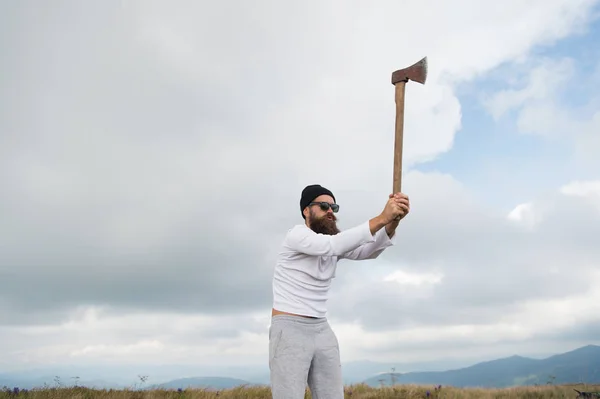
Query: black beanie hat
[{"x": 310, "y": 193}]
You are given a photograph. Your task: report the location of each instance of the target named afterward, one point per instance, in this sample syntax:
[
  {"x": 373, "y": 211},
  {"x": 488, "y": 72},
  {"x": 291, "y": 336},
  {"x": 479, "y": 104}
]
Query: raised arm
[
  {"x": 384, "y": 238},
  {"x": 303, "y": 239},
  {"x": 372, "y": 249}
]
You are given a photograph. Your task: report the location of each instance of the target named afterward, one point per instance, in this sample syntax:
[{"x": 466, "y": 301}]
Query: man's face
[{"x": 322, "y": 221}]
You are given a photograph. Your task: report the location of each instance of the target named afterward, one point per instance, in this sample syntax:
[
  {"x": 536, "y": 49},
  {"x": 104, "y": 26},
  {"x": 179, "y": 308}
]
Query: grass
[{"x": 359, "y": 391}]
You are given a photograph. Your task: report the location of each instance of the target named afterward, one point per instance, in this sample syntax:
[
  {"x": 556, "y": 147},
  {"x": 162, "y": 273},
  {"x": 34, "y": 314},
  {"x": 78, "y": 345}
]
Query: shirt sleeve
[
  {"x": 371, "y": 250},
  {"x": 304, "y": 240}
]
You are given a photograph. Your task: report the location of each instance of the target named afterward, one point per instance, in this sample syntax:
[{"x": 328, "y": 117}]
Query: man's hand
[
  {"x": 390, "y": 211},
  {"x": 396, "y": 208},
  {"x": 401, "y": 207}
]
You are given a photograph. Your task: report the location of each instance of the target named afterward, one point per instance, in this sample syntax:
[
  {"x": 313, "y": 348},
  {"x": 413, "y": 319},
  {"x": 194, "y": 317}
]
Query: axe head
[{"x": 416, "y": 72}]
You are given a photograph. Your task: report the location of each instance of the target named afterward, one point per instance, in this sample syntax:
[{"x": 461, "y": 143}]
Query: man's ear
[{"x": 305, "y": 213}]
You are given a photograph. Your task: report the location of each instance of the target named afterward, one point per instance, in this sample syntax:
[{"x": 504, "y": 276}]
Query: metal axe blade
[{"x": 417, "y": 73}]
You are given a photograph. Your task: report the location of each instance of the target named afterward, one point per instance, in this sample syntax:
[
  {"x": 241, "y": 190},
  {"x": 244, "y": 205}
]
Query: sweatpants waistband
[{"x": 299, "y": 319}]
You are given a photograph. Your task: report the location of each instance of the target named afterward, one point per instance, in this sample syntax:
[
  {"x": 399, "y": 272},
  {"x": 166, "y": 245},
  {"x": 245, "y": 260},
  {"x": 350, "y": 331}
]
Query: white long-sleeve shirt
[{"x": 307, "y": 262}]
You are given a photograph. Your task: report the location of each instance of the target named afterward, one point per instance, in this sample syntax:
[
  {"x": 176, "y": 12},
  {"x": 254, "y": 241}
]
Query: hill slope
[{"x": 580, "y": 365}]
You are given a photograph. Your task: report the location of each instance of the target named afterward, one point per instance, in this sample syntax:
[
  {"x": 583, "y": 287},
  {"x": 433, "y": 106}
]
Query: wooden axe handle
[{"x": 400, "y": 89}]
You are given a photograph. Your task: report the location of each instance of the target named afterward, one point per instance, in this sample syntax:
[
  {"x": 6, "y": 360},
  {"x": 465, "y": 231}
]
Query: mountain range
[{"x": 579, "y": 365}]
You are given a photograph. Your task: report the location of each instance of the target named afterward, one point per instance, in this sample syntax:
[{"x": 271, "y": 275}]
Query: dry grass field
[{"x": 353, "y": 392}]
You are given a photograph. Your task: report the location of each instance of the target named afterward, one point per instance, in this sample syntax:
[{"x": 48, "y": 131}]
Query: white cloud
[
  {"x": 522, "y": 212},
  {"x": 542, "y": 103},
  {"x": 587, "y": 189},
  {"x": 527, "y": 215},
  {"x": 402, "y": 277},
  {"x": 543, "y": 83},
  {"x": 531, "y": 214},
  {"x": 137, "y": 349},
  {"x": 91, "y": 335}
]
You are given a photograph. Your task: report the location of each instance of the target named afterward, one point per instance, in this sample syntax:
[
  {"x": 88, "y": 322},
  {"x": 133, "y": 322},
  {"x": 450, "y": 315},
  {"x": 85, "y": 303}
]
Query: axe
[{"x": 418, "y": 73}]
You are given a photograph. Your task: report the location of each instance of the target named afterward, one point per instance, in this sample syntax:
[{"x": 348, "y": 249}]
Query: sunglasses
[{"x": 326, "y": 205}]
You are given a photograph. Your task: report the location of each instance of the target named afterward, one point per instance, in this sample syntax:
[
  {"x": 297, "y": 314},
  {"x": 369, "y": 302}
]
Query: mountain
[
  {"x": 357, "y": 371},
  {"x": 202, "y": 382},
  {"x": 579, "y": 365}
]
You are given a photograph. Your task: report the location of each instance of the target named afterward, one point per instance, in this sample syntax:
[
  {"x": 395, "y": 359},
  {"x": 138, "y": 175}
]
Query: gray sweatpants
[{"x": 304, "y": 351}]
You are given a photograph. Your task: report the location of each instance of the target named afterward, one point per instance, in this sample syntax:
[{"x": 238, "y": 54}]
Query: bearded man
[{"x": 303, "y": 349}]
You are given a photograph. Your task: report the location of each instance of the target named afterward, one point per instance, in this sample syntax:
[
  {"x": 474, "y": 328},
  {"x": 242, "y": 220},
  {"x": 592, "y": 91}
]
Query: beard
[{"x": 324, "y": 225}]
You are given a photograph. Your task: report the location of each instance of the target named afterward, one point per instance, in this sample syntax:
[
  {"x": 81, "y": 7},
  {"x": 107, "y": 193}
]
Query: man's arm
[
  {"x": 390, "y": 228},
  {"x": 304, "y": 240},
  {"x": 370, "y": 250},
  {"x": 377, "y": 223}
]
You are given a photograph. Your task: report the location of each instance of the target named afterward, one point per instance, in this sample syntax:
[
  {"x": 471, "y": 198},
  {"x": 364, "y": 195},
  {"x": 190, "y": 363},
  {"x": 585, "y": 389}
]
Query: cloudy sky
[{"x": 152, "y": 156}]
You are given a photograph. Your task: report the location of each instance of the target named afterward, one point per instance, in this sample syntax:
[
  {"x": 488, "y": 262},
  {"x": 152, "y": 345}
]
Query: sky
[{"x": 152, "y": 157}]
